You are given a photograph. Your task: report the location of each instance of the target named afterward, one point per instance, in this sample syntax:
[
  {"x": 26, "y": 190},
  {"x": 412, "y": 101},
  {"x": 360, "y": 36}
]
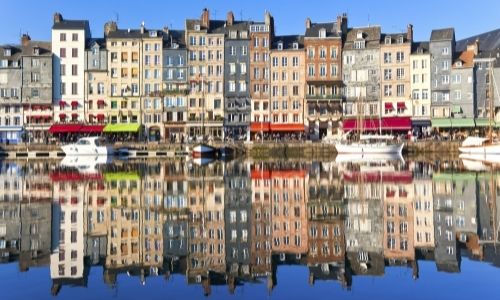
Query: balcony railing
[{"x": 324, "y": 97}]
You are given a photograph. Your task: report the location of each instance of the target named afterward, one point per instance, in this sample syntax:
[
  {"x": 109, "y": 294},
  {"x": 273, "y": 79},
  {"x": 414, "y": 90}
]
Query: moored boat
[{"x": 88, "y": 146}]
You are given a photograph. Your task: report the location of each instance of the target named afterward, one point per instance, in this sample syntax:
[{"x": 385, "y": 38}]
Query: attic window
[
  {"x": 280, "y": 46},
  {"x": 459, "y": 64},
  {"x": 359, "y": 35},
  {"x": 153, "y": 33},
  {"x": 295, "y": 45},
  {"x": 387, "y": 40},
  {"x": 175, "y": 45},
  {"x": 197, "y": 27},
  {"x": 233, "y": 34},
  {"x": 400, "y": 39},
  {"x": 420, "y": 51},
  {"x": 322, "y": 33},
  {"x": 243, "y": 35},
  {"x": 36, "y": 51},
  {"x": 7, "y": 52}
]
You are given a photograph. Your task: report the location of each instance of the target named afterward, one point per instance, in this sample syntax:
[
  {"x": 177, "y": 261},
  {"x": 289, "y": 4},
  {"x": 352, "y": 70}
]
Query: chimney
[
  {"x": 25, "y": 40},
  {"x": 343, "y": 27},
  {"x": 166, "y": 30},
  {"x": 474, "y": 47},
  {"x": 205, "y": 18},
  {"x": 230, "y": 18},
  {"x": 409, "y": 33},
  {"x": 339, "y": 24},
  {"x": 143, "y": 27},
  {"x": 308, "y": 23},
  {"x": 268, "y": 18},
  {"x": 57, "y": 18},
  {"x": 110, "y": 26}
]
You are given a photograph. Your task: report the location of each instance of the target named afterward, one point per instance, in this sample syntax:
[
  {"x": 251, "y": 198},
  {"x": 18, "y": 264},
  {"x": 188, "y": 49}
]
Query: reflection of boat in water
[
  {"x": 201, "y": 161},
  {"x": 203, "y": 151},
  {"x": 88, "y": 146},
  {"x": 480, "y": 162},
  {"x": 85, "y": 164},
  {"x": 367, "y": 158}
]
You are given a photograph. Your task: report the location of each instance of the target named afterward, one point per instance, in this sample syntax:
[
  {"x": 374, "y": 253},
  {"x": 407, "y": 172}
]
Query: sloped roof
[
  {"x": 288, "y": 41},
  {"x": 467, "y": 59},
  {"x": 445, "y": 34},
  {"x": 175, "y": 36},
  {"x": 331, "y": 30},
  {"x": 133, "y": 33},
  {"x": 215, "y": 26},
  {"x": 420, "y": 47},
  {"x": 15, "y": 52},
  {"x": 371, "y": 35},
  {"x": 45, "y": 48},
  {"x": 71, "y": 24},
  {"x": 100, "y": 41},
  {"x": 487, "y": 41},
  {"x": 394, "y": 37}
]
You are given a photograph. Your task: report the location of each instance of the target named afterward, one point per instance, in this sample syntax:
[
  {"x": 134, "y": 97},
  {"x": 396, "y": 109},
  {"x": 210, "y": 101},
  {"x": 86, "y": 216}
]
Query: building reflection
[{"x": 233, "y": 223}]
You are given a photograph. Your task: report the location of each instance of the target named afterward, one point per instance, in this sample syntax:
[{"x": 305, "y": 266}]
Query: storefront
[
  {"x": 259, "y": 130},
  {"x": 11, "y": 134},
  {"x": 123, "y": 131}
]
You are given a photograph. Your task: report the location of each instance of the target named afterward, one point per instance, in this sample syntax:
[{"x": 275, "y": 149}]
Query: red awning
[
  {"x": 48, "y": 117},
  {"x": 92, "y": 128},
  {"x": 401, "y": 105},
  {"x": 368, "y": 124},
  {"x": 100, "y": 116},
  {"x": 396, "y": 123},
  {"x": 62, "y": 103},
  {"x": 287, "y": 127},
  {"x": 100, "y": 102},
  {"x": 260, "y": 174},
  {"x": 58, "y": 176},
  {"x": 259, "y": 126},
  {"x": 74, "y": 103},
  {"x": 65, "y": 128},
  {"x": 388, "y": 106},
  {"x": 62, "y": 116},
  {"x": 74, "y": 115}
]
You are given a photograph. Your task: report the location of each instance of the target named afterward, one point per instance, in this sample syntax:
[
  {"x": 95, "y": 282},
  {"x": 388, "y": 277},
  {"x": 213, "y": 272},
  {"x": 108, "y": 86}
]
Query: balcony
[{"x": 324, "y": 97}]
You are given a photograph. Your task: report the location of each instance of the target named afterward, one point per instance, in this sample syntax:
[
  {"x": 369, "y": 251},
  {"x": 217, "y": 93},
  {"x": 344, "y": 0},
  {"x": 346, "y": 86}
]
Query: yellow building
[{"x": 420, "y": 75}]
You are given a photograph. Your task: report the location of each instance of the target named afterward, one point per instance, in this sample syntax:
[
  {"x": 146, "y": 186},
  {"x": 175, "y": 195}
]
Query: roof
[
  {"x": 133, "y": 34},
  {"x": 488, "y": 41},
  {"x": 394, "y": 37},
  {"x": 175, "y": 36},
  {"x": 215, "y": 26},
  {"x": 100, "y": 41},
  {"x": 45, "y": 48},
  {"x": 420, "y": 48},
  {"x": 331, "y": 30},
  {"x": 445, "y": 34},
  {"x": 71, "y": 24},
  {"x": 15, "y": 52},
  {"x": 371, "y": 35},
  {"x": 467, "y": 59},
  {"x": 288, "y": 41}
]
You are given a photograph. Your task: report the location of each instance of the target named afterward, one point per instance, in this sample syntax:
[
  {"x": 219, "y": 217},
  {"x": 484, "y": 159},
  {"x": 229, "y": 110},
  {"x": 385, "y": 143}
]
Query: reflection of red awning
[
  {"x": 58, "y": 176},
  {"x": 402, "y": 177},
  {"x": 62, "y": 103},
  {"x": 92, "y": 129},
  {"x": 62, "y": 116},
  {"x": 401, "y": 105},
  {"x": 259, "y": 126},
  {"x": 65, "y": 128},
  {"x": 100, "y": 102},
  {"x": 74, "y": 115},
  {"x": 74, "y": 103},
  {"x": 368, "y": 124},
  {"x": 260, "y": 174},
  {"x": 287, "y": 127},
  {"x": 388, "y": 106},
  {"x": 100, "y": 116},
  {"x": 396, "y": 123},
  {"x": 269, "y": 174}
]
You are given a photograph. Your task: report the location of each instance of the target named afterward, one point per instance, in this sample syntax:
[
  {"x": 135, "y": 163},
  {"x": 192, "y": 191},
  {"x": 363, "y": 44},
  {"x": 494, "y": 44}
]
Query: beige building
[
  {"x": 423, "y": 213},
  {"x": 420, "y": 76},
  {"x": 287, "y": 85},
  {"x": 205, "y": 45}
]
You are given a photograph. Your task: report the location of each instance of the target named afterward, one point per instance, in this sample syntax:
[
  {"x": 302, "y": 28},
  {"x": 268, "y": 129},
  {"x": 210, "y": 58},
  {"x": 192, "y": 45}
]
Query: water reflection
[{"x": 231, "y": 223}]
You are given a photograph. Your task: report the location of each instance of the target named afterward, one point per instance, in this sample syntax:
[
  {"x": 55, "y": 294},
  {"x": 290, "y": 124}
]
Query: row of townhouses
[{"x": 239, "y": 80}]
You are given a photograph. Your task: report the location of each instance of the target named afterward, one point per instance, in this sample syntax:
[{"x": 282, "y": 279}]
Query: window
[
  {"x": 457, "y": 95},
  {"x": 425, "y": 94},
  {"x": 74, "y": 52},
  {"x": 445, "y": 51},
  {"x": 295, "y": 61},
  {"x": 322, "y": 33},
  {"x": 244, "y": 50},
  {"x": 400, "y": 73},
  {"x": 62, "y": 37},
  {"x": 62, "y": 52},
  {"x": 74, "y": 88},
  {"x": 74, "y": 37},
  {"x": 400, "y": 57},
  {"x": 232, "y": 86},
  {"x": 74, "y": 70},
  {"x": 334, "y": 71},
  {"x": 387, "y": 58}
]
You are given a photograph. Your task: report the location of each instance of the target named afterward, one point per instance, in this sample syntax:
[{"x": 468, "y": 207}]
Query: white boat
[
  {"x": 88, "y": 146},
  {"x": 203, "y": 151},
  {"x": 368, "y": 157},
  {"x": 369, "y": 148},
  {"x": 480, "y": 162},
  {"x": 85, "y": 164},
  {"x": 479, "y": 145}
]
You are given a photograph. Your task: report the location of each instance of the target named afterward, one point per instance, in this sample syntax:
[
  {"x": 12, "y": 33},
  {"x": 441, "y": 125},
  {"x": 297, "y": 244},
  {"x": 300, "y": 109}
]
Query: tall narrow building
[
  {"x": 420, "y": 75},
  {"x": 11, "y": 119}
]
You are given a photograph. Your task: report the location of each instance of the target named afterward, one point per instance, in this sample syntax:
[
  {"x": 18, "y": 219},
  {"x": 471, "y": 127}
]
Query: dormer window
[
  {"x": 7, "y": 52},
  {"x": 459, "y": 64},
  {"x": 359, "y": 35},
  {"x": 243, "y": 35},
  {"x": 322, "y": 33},
  {"x": 359, "y": 45},
  {"x": 295, "y": 46},
  {"x": 197, "y": 27},
  {"x": 175, "y": 45},
  {"x": 233, "y": 34},
  {"x": 153, "y": 33},
  {"x": 280, "y": 46},
  {"x": 36, "y": 51},
  {"x": 388, "y": 40},
  {"x": 400, "y": 39}
]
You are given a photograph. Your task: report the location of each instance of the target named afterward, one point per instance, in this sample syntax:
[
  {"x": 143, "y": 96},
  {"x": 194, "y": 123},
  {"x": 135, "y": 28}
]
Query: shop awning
[
  {"x": 368, "y": 124},
  {"x": 92, "y": 129},
  {"x": 401, "y": 105},
  {"x": 65, "y": 128},
  {"x": 121, "y": 176},
  {"x": 287, "y": 127},
  {"x": 396, "y": 123},
  {"x": 463, "y": 123},
  {"x": 10, "y": 128},
  {"x": 388, "y": 106},
  {"x": 259, "y": 126},
  {"x": 422, "y": 123},
  {"x": 441, "y": 123},
  {"x": 122, "y": 127},
  {"x": 59, "y": 176},
  {"x": 456, "y": 109},
  {"x": 484, "y": 123}
]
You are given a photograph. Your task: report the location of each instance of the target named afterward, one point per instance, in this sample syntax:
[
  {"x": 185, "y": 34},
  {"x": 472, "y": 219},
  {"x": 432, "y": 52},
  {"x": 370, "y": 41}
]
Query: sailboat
[
  {"x": 203, "y": 150},
  {"x": 368, "y": 144},
  {"x": 484, "y": 145}
]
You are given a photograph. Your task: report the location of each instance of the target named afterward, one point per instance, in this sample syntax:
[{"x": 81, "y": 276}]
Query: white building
[
  {"x": 420, "y": 76},
  {"x": 68, "y": 46}
]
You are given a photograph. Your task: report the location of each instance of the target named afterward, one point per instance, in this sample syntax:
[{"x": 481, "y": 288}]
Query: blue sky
[{"x": 476, "y": 17}]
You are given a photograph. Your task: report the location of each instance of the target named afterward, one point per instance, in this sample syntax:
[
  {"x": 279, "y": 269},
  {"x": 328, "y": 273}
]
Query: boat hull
[
  {"x": 360, "y": 148},
  {"x": 203, "y": 151},
  {"x": 74, "y": 149},
  {"x": 488, "y": 149}
]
